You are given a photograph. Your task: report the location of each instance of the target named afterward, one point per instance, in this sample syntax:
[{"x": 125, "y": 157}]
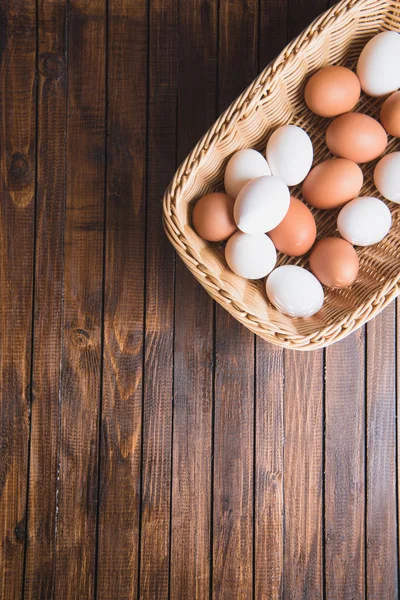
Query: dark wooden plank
[
  {"x": 269, "y": 432},
  {"x": 191, "y": 493},
  {"x": 158, "y": 388},
  {"x": 233, "y": 460},
  {"x": 193, "y": 350},
  {"x": 17, "y": 188},
  {"x": 397, "y": 304},
  {"x": 234, "y": 376},
  {"x": 273, "y": 30},
  {"x": 40, "y": 560},
  {"x": 269, "y": 422},
  {"x": 81, "y": 352},
  {"x": 238, "y": 48},
  {"x": 303, "y": 426},
  {"x": 344, "y": 468},
  {"x": 124, "y": 302},
  {"x": 302, "y": 12},
  {"x": 381, "y": 543},
  {"x": 303, "y": 475}
]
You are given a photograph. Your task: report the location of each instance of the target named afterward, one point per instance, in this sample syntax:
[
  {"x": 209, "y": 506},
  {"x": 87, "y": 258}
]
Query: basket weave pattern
[{"x": 273, "y": 99}]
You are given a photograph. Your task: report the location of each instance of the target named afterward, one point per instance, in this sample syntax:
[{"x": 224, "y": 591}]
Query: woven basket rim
[{"x": 175, "y": 233}]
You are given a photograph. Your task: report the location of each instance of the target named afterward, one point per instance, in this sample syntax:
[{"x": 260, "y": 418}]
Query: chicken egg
[
  {"x": 290, "y": 154},
  {"x": 296, "y": 233},
  {"x": 357, "y": 137},
  {"x": 295, "y": 291},
  {"x": 261, "y": 204},
  {"x": 387, "y": 177},
  {"x": 213, "y": 217},
  {"x": 334, "y": 262},
  {"x": 332, "y": 91},
  {"x": 250, "y": 256},
  {"x": 242, "y": 167},
  {"x": 332, "y": 183},
  {"x": 390, "y": 114},
  {"x": 364, "y": 221},
  {"x": 378, "y": 66}
]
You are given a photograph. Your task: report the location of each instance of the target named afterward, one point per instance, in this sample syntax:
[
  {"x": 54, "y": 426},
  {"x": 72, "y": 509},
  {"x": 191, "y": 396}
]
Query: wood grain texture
[
  {"x": 49, "y": 287},
  {"x": 83, "y": 261},
  {"x": 233, "y": 460},
  {"x": 345, "y": 468},
  {"x": 211, "y": 465},
  {"x": 193, "y": 350},
  {"x": 381, "y": 544},
  {"x": 158, "y": 385},
  {"x": 303, "y": 429},
  {"x": 397, "y": 366},
  {"x": 303, "y": 475},
  {"x": 238, "y": 48},
  {"x": 273, "y": 31},
  {"x": 17, "y": 206},
  {"x": 269, "y": 426},
  {"x": 124, "y": 302},
  {"x": 302, "y": 12},
  {"x": 234, "y": 366}
]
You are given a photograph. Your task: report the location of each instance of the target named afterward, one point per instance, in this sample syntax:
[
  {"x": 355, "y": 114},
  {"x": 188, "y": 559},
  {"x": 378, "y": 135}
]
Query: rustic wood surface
[{"x": 150, "y": 447}]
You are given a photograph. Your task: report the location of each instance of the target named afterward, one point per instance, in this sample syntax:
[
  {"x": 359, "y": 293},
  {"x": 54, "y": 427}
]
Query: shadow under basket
[{"x": 276, "y": 98}]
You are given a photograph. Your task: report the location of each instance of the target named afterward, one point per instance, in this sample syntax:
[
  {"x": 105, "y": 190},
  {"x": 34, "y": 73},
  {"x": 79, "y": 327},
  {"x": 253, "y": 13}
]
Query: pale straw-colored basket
[{"x": 273, "y": 99}]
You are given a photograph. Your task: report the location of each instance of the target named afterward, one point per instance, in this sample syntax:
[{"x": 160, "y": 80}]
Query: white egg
[
  {"x": 242, "y": 167},
  {"x": 378, "y": 66},
  {"x": 250, "y": 256},
  {"x": 387, "y": 177},
  {"x": 295, "y": 291},
  {"x": 261, "y": 205},
  {"x": 364, "y": 221},
  {"x": 290, "y": 154}
]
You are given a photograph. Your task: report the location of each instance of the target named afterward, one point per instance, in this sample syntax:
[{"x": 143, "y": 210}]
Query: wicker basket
[{"x": 273, "y": 99}]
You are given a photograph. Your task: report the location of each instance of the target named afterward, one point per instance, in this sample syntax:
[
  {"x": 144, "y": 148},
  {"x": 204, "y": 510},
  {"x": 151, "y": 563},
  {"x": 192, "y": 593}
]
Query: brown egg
[
  {"x": 332, "y": 91},
  {"x": 332, "y": 183},
  {"x": 213, "y": 217},
  {"x": 334, "y": 262},
  {"x": 390, "y": 114},
  {"x": 357, "y": 137},
  {"x": 296, "y": 234}
]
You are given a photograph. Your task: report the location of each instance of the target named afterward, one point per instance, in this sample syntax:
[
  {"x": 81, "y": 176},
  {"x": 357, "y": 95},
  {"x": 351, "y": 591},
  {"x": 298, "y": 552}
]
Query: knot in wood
[
  {"x": 51, "y": 65},
  {"x": 82, "y": 338},
  {"x": 19, "y": 532},
  {"x": 20, "y": 168}
]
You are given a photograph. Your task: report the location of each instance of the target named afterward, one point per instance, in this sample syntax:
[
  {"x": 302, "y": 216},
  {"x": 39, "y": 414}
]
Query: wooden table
[{"x": 150, "y": 446}]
